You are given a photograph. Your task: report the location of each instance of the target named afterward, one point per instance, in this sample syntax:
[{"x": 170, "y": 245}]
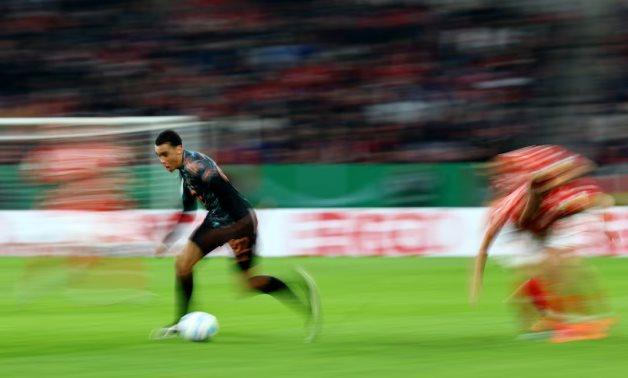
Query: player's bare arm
[{"x": 480, "y": 263}]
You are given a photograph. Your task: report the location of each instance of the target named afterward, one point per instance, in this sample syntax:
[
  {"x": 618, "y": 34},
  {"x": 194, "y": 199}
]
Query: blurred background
[
  {"x": 386, "y": 107},
  {"x": 414, "y": 91}
]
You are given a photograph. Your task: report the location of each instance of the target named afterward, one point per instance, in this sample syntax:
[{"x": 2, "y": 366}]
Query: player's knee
[{"x": 182, "y": 268}]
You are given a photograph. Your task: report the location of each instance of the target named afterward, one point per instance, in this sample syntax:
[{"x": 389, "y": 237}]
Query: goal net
[
  {"x": 85, "y": 190},
  {"x": 89, "y": 163},
  {"x": 87, "y": 185}
]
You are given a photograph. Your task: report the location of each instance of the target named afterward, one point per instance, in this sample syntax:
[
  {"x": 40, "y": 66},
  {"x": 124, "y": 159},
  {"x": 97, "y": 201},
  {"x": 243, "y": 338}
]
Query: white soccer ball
[{"x": 198, "y": 326}]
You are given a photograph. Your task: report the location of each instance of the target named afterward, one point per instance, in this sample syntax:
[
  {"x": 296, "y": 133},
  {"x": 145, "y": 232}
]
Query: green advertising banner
[{"x": 288, "y": 186}]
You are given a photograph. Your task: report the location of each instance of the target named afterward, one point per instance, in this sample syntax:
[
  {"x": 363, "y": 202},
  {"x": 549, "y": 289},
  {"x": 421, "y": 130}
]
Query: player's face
[{"x": 170, "y": 157}]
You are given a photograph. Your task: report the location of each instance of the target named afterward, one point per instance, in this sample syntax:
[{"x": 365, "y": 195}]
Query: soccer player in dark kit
[{"x": 230, "y": 220}]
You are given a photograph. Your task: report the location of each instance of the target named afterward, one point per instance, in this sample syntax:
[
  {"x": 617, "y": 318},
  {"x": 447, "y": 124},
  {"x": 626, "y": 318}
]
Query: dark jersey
[{"x": 203, "y": 179}]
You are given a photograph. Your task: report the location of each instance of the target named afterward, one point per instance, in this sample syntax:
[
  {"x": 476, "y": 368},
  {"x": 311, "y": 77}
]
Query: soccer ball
[{"x": 198, "y": 326}]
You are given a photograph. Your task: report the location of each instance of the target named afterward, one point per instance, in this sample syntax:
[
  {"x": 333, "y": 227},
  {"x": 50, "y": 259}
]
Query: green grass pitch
[{"x": 384, "y": 317}]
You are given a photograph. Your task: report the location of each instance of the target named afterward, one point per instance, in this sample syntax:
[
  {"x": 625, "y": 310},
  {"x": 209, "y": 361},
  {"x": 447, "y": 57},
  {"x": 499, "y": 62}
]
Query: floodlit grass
[{"x": 384, "y": 317}]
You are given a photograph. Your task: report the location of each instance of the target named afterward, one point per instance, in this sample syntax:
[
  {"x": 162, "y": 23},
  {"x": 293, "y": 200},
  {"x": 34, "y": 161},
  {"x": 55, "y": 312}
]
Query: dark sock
[
  {"x": 278, "y": 289},
  {"x": 270, "y": 284},
  {"x": 184, "y": 288}
]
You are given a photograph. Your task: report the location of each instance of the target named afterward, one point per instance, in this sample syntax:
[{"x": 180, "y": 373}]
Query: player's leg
[
  {"x": 241, "y": 237},
  {"x": 184, "y": 273},
  {"x": 582, "y": 298},
  {"x": 576, "y": 283},
  {"x": 278, "y": 289},
  {"x": 243, "y": 247},
  {"x": 530, "y": 299},
  {"x": 531, "y": 302},
  {"x": 203, "y": 240},
  {"x": 184, "y": 286}
]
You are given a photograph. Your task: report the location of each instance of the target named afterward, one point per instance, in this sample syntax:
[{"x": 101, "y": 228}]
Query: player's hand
[{"x": 161, "y": 250}]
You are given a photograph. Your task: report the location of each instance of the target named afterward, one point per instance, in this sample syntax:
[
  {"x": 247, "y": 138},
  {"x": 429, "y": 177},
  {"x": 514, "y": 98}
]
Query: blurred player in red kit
[{"x": 543, "y": 192}]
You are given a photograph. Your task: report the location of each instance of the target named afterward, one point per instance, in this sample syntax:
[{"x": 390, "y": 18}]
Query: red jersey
[
  {"x": 563, "y": 201},
  {"x": 538, "y": 163},
  {"x": 518, "y": 169}
]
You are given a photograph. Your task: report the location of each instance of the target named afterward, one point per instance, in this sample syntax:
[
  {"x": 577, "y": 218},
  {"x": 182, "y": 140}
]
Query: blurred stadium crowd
[{"x": 332, "y": 81}]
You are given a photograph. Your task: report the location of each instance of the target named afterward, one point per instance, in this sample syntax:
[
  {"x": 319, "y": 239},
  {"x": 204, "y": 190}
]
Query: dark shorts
[{"x": 241, "y": 237}]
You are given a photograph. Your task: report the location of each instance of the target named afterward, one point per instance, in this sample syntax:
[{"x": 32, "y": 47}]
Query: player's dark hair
[{"x": 168, "y": 136}]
